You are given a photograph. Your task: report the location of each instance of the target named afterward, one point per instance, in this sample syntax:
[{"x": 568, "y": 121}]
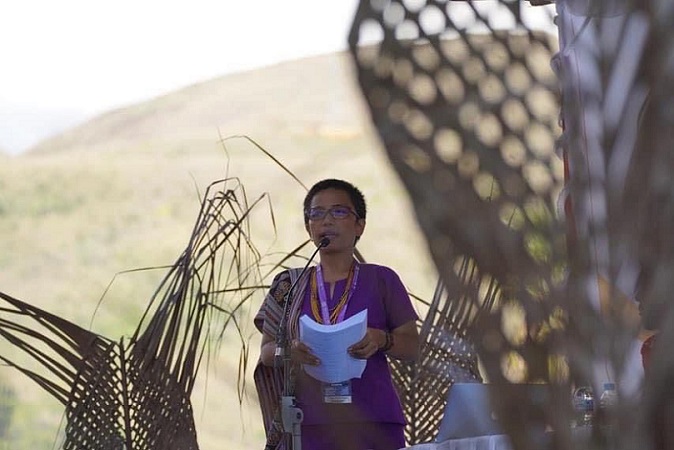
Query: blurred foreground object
[{"x": 467, "y": 98}]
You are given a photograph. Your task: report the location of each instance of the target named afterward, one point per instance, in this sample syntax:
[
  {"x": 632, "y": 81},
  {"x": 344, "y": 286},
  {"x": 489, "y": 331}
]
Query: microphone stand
[{"x": 291, "y": 415}]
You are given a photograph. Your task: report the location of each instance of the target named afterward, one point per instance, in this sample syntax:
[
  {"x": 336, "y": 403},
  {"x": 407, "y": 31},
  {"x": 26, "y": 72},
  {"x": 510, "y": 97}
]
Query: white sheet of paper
[{"x": 330, "y": 343}]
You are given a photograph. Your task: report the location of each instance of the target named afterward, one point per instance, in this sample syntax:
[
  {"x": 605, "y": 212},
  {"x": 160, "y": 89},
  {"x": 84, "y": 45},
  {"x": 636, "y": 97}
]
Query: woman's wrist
[{"x": 388, "y": 342}]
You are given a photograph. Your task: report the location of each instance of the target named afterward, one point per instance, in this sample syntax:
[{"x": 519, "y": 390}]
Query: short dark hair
[{"x": 354, "y": 193}]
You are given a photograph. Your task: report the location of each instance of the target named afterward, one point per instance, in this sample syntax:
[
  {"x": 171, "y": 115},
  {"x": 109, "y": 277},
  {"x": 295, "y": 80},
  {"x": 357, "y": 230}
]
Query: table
[
  {"x": 492, "y": 442},
  {"x": 496, "y": 441}
]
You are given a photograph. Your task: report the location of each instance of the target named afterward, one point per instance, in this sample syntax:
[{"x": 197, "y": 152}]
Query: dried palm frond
[{"x": 135, "y": 393}]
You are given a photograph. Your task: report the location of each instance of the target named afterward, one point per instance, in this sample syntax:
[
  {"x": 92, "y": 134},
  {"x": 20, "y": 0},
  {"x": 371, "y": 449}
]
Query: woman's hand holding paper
[
  {"x": 302, "y": 354},
  {"x": 370, "y": 344}
]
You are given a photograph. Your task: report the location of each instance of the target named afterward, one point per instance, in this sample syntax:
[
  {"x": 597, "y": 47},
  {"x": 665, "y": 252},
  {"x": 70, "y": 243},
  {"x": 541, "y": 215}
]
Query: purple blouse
[{"x": 374, "y": 397}]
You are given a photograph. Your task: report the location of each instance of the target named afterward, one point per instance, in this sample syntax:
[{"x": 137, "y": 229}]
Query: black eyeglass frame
[{"x": 324, "y": 212}]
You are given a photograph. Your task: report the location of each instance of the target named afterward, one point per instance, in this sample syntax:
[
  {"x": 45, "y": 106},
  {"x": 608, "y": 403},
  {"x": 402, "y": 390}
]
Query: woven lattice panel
[
  {"x": 469, "y": 117},
  {"x": 163, "y": 402},
  {"x": 95, "y": 401},
  {"x": 134, "y": 393},
  {"x": 113, "y": 404},
  {"x": 466, "y": 103},
  {"x": 447, "y": 356}
]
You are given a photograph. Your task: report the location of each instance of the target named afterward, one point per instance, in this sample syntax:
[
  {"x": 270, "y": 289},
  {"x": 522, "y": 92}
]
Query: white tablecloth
[{"x": 494, "y": 442}]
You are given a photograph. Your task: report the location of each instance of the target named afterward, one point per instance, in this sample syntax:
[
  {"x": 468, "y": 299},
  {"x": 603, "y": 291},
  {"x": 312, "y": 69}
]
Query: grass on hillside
[{"x": 70, "y": 221}]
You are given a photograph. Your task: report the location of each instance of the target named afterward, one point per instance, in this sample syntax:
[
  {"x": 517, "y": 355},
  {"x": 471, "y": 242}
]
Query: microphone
[
  {"x": 291, "y": 415},
  {"x": 282, "y": 345}
]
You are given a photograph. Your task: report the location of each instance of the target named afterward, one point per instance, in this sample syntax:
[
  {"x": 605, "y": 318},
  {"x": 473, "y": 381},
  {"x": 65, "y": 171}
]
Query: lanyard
[{"x": 323, "y": 296}]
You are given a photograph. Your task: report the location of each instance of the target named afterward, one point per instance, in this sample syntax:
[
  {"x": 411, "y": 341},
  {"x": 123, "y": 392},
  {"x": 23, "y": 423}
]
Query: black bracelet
[{"x": 389, "y": 342}]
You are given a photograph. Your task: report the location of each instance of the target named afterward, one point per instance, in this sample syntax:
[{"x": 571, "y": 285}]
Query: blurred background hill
[{"x": 121, "y": 192}]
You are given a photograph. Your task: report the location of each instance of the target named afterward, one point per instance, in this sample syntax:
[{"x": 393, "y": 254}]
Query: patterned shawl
[{"x": 269, "y": 380}]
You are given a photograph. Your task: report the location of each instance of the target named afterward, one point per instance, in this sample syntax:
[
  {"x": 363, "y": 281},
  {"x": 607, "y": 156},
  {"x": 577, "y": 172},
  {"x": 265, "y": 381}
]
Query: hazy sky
[
  {"x": 82, "y": 57},
  {"x": 63, "y": 61},
  {"x": 91, "y": 54}
]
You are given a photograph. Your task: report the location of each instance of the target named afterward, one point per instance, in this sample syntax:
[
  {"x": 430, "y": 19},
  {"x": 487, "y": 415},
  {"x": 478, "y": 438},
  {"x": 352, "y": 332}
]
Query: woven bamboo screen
[
  {"x": 134, "y": 393},
  {"x": 466, "y": 102}
]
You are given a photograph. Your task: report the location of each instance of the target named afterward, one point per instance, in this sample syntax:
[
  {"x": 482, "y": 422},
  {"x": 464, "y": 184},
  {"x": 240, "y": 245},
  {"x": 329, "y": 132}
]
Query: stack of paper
[{"x": 330, "y": 343}]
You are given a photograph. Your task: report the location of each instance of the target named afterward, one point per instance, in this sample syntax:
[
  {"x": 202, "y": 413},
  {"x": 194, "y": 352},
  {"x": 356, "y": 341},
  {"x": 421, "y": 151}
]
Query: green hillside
[{"x": 121, "y": 192}]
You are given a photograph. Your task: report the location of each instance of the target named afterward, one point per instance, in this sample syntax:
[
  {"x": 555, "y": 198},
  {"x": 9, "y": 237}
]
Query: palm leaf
[{"x": 135, "y": 393}]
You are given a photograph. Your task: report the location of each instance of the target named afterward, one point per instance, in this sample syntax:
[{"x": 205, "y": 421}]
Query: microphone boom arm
[{"x": 291, "y": 415}]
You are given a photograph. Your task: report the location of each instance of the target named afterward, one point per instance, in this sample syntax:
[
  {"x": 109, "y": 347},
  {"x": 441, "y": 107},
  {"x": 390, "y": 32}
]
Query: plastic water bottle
[
  {"x": 583, "y": 405},
  {"x": 609, "y": 396}
]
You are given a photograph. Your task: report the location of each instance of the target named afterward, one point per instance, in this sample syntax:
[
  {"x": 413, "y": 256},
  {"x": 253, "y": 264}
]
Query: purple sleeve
[{"x": 397, "y": 303}]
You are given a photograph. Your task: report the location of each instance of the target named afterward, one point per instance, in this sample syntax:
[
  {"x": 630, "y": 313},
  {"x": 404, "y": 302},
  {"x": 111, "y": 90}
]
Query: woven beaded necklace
[{"x": 350, "y": 286}]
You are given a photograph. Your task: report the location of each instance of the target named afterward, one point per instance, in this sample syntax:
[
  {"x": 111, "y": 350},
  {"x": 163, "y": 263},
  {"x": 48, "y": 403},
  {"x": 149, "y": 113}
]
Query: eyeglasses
[{"x": 337, "y": 212}]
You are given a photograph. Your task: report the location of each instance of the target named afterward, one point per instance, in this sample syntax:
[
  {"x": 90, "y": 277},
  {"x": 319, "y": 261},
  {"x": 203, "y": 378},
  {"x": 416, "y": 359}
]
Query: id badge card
[{"x": 337, "y": 392}]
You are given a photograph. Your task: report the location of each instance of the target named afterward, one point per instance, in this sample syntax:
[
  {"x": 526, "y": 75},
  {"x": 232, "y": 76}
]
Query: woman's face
[{"x": 341, "y": 231}]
